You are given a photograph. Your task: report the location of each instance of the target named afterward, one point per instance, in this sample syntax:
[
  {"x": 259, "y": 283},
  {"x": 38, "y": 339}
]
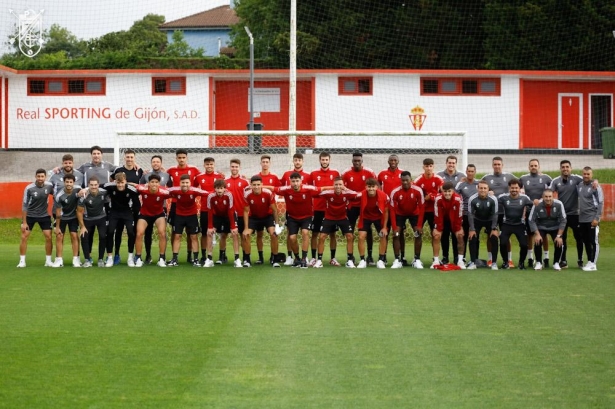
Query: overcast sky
[{"x": 93, "y": 18}]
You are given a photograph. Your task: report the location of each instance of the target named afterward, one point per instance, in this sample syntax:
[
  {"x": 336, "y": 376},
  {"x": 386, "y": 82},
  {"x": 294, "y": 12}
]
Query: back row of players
[{"x": 456, "y": 206}]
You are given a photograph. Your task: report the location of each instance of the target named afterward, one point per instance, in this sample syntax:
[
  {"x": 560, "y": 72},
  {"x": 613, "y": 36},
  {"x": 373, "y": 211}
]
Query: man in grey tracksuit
[
  {"x": 548, "y": 218},
  {"x": 591, "y": 204}
]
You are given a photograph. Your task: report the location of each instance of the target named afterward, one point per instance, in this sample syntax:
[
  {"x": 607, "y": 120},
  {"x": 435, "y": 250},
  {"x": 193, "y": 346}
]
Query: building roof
[{"x": 219, "y": 17}]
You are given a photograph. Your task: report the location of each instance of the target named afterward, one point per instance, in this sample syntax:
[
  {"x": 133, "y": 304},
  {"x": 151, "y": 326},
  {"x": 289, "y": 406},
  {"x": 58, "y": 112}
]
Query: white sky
[{"x": 93, "y": 18}]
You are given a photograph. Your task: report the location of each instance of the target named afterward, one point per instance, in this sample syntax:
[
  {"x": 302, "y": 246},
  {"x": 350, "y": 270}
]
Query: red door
[{"x": 571, "y": 121}]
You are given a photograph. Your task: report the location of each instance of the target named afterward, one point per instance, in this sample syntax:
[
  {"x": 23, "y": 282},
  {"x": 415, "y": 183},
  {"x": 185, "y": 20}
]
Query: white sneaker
[
  {"x": 86, "y": 264},
  {"x": 350, "y": 264},
  {"x": 317, "y": 264},
  {"x": 418, "y": 264},
  {"x": 139, "y": 262},
  {"x": 21, "y": 264},
  {"x": 161, "y": 263},
  {"x": 58, "y": 262},
  {"x": 538, "y": 265},
  {"x": 237, "y": 263},
  {"x": 313, "y": 261},
  {"x": 334, "y": 262},
  {"x": 289, "y": 261},
  {"x": 397, "y": 264},
  {"x": 435, "y": 264},
  {"x": 461, "y": 264},
  {"x": 556, "y": 267},
  {"x": 362, "y": 264},
  {"x": 109, "y": 262},
  {"x": 246, "y": 264},
  {"x": 380, "y": 264},
  {"x": 131, "y": 261},
  {"x": 590, "y": 266},
  {"x": 76, "y": 262},
  {"x": 209, "y": 263},
  {"x": 494, "y": 266},
  {"x": 471, "y": 266},
  {"x": 48, "y": 263}
]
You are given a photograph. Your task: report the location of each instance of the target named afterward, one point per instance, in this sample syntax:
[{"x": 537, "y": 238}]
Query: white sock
[
  {"x": 459, "y": 258},
  {"x": 22, "y": 259},
  {"x": 530, "y": 255},
  {"x": 436, "y": 260},
  {"x": 490, "y": 258},
  {"x": 510, "y": 255},
  {"x": 48, "y": 259},
  {"x": 130, "y": 255},
  {"x": 546, "y": 254},
  {"x": 58, "y": 258},
  {"x": 76, "y": 258}
]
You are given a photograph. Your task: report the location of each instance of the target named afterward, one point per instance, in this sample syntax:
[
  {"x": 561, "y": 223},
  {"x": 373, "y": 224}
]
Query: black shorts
[
  {"x": 171, "y": 216},
  {"x": 331, "y": 226},
  {"x": 353, "y": 215},
  {"x": 151, "y": 220},
  {"x": 319, "y": 216},
  {"x": 73, "y": 225},
  {"x": 204, "y": 219},
  {"x": 260, "y": 223},
  {"x": 223, "y": 224},
  {"x": 367, "y": 225},
  {"x": 44, "y": 222},
  {"x": 294, "y": 225},
  {"x": 190, "y": 223},
  {"x": 401, "y": 221},
  {"x": 429, "y": 219}
]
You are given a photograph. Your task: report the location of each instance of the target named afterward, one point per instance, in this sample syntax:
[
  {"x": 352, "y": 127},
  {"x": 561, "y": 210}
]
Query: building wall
[
  {"x": 490, "y": 121},
  {"x": 206, "y": 39},
  {"x": 37, "y": 121}
]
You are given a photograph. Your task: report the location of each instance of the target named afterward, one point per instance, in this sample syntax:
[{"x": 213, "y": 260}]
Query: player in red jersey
[
  {"x": 336, "y": 217},
  {"x": 299, "y": 214},
  {"x": 186, "y": 217},
  {"x": 206, "y": 182},
  {"x": 320, "y": 178},
  {"x": 153, "y": 199},
  {"x": 221, "y": 219},
  {"x": 354, "y": 179},
  {"x": 407, "y": 206},
  {"x": 430, "y": 184},
  {"x": 259, "y": 213},
  {"x": 374, "y": 205},
  {"x": 175, "y": 173},
  {"x": 448, "y": 211},
  {"x": 236, "y": 185},
  {"x": 389, "y": 179},
  {"x": 305, "y": 179},
  {"x": 269, "y": 179}
]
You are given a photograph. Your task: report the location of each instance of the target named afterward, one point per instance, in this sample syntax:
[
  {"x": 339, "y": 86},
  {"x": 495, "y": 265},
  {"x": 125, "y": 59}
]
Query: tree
[
  {"x": 179, "y": 47},
  {"x": 142, "y": 39}
]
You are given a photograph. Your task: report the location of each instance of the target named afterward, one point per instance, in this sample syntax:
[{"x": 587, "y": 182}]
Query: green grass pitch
[{"x": 290, "y": 338}]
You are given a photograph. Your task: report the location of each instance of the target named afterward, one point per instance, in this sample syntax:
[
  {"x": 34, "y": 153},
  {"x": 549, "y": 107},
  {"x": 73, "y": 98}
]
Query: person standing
[
  {"x": 96, "y": 167},
  {"x": 466, "y": 189},
  {"x": 450, "y": 174},
  {"x": 448, "y": 213},
  {"x": 483, "y": 214},
  {"x": 268, "y": 179},
  {"x": 57, "y": 179},
  {"x": 206, "y": 182},
  {"x": 92, "y": 216},
  {"x": 591, "y": 205},
  {"x": 548, "y": 218},
  {"x": 34, "y": 210},
  {"x": 221, "y": 219},
  {"x": 236, "y": 185},
  {"x": 66, "y": 200},
  {"x": 305, "y": 179},
  {"x": 390, "y": 179}
]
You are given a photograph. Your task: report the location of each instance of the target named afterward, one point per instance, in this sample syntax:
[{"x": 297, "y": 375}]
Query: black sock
[
  {"x": 382, "y": 257},
  {"x": 297, "y": 255},
  {"x": 260, "y": 255},
  {"x": 210, "y": 257},
  {"x": 175, "y": 256},
  {"x": 313, "y": 253},
  {"x": 362, "y": 258},
  {"x": 290, "y": 254},
  {"x": 222, "y": 254},
  {"x": 236, "y": 256},
  {"x": 195, "y": 255},
  {"x": 303, "y": 254},
  {"x": 137, "y": 256},
  {"x": 349, "y": 256},
  {"x": 319, "y": 256},
  {"x": 163, "y": 257},
  {"x": 333, "y": 253}
]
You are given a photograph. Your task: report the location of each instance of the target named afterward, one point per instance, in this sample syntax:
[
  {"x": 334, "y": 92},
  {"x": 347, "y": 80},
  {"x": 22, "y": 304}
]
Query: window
[
  {"x": 66, "y": 86},
  {"x": 169, "y": 86},
  {"x": 355, "y": 86},
  {"x": 460, "y": 86}
]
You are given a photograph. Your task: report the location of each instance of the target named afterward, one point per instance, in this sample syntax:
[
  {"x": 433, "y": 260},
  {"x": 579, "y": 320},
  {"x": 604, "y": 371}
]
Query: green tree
[
  {"x": 179, "y": 47},
  {"x": 142, "y": 39}
]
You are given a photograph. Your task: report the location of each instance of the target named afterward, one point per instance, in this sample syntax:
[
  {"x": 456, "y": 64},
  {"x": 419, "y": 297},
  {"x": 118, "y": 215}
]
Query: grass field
[{"x": 289, "y": 338}]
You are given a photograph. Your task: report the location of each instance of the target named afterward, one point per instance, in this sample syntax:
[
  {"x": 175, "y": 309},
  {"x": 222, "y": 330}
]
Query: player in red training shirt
[
  {"x": 186, "y": 217},
  {"x": 305, "y": 179},
  {"x": 269, "y": 179},
  {"x": 336, "y": 217},
  {"x": 430, "y": 184},
  {"x": 153, "y": 199},
  {"x": 320, "y": 178},
  {"x": 221, "y": 219},
  {"x": 354, "y": 179},
  {"x": 407, "y": 206},
  {"x": 389, "y": 179},
  {"x": 374, "y": 212},
  {"x": 448, "y": 211},
  {"x": 206, "y": 182},
  {"x": 236, "y": 185},
  {"x": 260, "y": 213},
  {"x": 175, "y": 173},
  {"x": 299, "y": 214}
]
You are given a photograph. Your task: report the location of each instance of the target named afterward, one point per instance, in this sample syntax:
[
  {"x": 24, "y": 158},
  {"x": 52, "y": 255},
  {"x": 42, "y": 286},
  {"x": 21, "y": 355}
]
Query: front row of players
[{"x": 512, "y": 213}]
